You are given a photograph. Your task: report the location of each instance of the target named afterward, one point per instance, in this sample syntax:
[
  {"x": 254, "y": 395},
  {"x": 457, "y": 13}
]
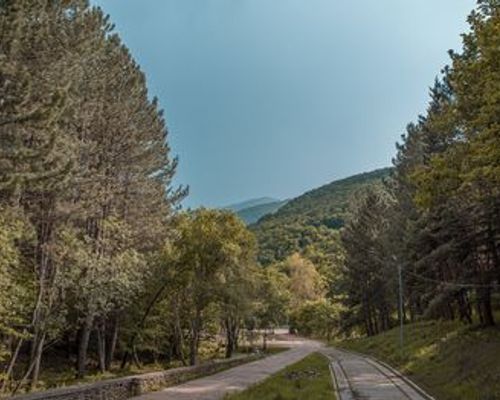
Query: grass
[
  {"x": 307, "y": 379},
  {"x": 451, "y": 361}
]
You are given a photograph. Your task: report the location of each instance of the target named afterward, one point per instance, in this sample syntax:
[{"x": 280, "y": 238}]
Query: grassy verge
[
  {"x": 451, "y": 361},
  {"x": 307, "y": 379}
]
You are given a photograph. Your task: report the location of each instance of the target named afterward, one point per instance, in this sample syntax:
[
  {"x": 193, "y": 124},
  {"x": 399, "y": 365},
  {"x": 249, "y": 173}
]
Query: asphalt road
[
  {"x": 362, "y": 378},
  {"x": 216, "y": 386},
  {"x": 355, "y": 377}
]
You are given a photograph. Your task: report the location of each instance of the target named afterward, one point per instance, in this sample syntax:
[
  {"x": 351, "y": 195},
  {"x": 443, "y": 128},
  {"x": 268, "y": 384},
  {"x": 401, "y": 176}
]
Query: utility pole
[{"x": 401, "y": 316}]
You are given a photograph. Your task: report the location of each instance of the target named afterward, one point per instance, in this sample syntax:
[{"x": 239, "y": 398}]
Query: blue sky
[{"x": 276, "y": 97}]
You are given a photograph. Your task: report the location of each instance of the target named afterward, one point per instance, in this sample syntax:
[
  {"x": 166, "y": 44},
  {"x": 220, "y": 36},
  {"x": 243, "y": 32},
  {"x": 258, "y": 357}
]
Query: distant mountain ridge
[
  {"x": 310, "y": 219},
  {"x": 253, "y": 214},
  {"x": 251, "y": 203},
  {"x": 251, "y": 211}
]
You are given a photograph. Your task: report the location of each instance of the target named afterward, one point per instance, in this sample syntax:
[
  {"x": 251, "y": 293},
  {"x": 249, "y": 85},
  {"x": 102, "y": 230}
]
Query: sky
[{"x": 276, "y": 97}]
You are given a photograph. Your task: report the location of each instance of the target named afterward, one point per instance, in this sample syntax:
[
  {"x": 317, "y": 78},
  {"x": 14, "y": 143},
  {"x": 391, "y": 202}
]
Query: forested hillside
[
  {"x": 435, "y": 217},
  {"x": 312, "y": 219}
]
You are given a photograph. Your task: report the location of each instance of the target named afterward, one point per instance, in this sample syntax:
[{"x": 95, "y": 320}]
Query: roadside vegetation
[
  {"x": 435, "y": 215},
  {"x": 438, "y": 217},
  {"x": 447, "y": 358},
  {"x": 100, "y": 269},
  {"x": 308, "y": 379}
]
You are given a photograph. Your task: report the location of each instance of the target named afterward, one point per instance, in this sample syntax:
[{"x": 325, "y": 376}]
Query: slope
[
  {"x": 449, "y": 359},
  {"x": 310, "y": 222}
]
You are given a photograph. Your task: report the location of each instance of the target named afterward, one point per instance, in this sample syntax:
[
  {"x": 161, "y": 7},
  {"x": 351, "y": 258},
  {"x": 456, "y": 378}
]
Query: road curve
[
  {"x": 215, "y": 387},
  {"x": 358, "y": 377}
]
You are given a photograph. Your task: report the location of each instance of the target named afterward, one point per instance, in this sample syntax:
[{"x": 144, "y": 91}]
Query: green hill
[{"x": 310, "y": 222}]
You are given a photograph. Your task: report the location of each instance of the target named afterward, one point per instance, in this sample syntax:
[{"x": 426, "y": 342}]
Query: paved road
[
  {"x": 362, "y": 378},
  {"x": 356, "y": 377},
  {"x": 214, "y": 387}
]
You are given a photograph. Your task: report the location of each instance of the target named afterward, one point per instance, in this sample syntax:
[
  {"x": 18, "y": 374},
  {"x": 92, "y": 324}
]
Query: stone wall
[{"x": 124, "y": 388}]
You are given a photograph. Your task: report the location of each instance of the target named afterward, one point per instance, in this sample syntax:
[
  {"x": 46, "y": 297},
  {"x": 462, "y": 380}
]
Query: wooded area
[
  {"x": 435, "y": 215},
  {"x": 438, "y": 217}
]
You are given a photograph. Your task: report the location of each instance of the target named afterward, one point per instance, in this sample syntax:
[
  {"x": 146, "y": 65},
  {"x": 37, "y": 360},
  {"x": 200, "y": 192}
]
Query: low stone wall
[{"x": 130, "y": 386}]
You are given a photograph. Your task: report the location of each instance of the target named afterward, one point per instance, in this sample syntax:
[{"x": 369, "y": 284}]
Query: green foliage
[
  {"x": 272, "y": 300},
  {"x": 85, "y": 164},
  {"x": 32, "y": 99},
  {"x": 310, "y": 220},
  {"x": 211, "y": 275},
  {"x": 15, "y": 292},
  {"x": 295, "y": 289},
  {"x": 442, "y": 224},
  {"x": 304, "y": 281},
  {"x": 99, "y": 275},
  {"x": 320, "y": 318},
  {"x": 212, "y": 249},
  {"x": 368, "y": 274},
  {"x": 302, "y": 240},
  {"x": 458, "y": 187}
]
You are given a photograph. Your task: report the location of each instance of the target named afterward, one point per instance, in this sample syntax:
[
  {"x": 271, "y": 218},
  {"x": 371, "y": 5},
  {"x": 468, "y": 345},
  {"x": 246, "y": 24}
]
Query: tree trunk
[
  {"x": 34, "y": 362},
  {"x": 232, "y": 336},
  {"x": 83, "y": 345},
  {"x": 137, "y": 362},
  {"x": 464, "y": 307},
  {"x": 195, "y": 339},
  {"x": 484, "y": 298},
  {"x": 10, "y": 367},
  {"x": 451, "y": 311},
  {"x": 231, "y": 333},
  {"x": 111, "y": 340},
  {"x": 193, "y": 351},
  {"x": 142, "y": 322},
  {"x": 36, "y": 359},
  {"x": 179, "y": 341},
  {"x": 101, "y": 346},
  {"x": 479, "y": 311},
  {"x": 368, "y": 320}
]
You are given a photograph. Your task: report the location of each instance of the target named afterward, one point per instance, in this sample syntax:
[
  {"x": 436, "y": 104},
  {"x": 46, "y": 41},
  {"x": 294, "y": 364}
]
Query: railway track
[{"x": 359, "y": 377}]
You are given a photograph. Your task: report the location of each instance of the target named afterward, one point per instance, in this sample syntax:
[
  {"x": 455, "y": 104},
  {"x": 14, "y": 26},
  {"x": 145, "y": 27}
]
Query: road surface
[
  {"x": 361, "y": 378},
  {"x": 215, "y": 387},
  {"x": 356, "y": 377}
]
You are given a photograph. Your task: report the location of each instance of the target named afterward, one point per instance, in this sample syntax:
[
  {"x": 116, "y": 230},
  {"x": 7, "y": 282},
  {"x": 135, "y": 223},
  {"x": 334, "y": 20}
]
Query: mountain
[
  {"x": 251, "y": 203},
  {"x": 253, "y": 214},
  {"x": 310, "y": 222},
  {"x": 251, "y": 211}
]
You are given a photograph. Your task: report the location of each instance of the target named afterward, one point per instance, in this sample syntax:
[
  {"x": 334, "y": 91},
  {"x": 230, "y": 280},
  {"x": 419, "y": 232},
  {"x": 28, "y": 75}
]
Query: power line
[{"x": 453, "y": 284}]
